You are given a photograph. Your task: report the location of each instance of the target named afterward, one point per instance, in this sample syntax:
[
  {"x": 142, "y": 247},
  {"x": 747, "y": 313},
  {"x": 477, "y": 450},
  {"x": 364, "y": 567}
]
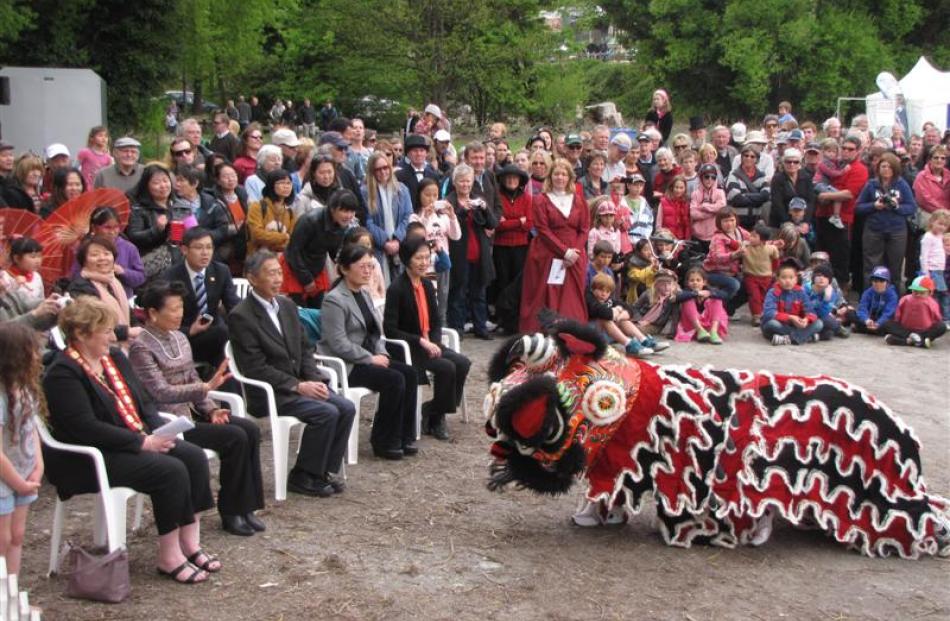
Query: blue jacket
[
  {"x": 402, "y": 204},
  {"x": 878, "y": 306},
  {"x": 886, "y": 220},
  {"x": 824, "y": 305},
  {"x": 781, "y": 304}
]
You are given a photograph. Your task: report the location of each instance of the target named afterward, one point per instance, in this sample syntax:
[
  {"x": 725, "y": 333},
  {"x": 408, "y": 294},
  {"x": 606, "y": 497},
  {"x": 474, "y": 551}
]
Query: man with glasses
[
  {"x": 191, "y": 129},
  {"x": 837, "y": 242},
  {"x": 224, "y": 143},
  {"x": 182, "y": 152},
  {"x": 574, "y": 147},
  {"x": 126, "y": 172}
]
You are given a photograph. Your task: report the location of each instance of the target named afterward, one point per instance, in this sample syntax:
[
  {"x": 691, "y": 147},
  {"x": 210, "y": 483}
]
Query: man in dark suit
[
  {"x": 417, "y": 150},
  {"x": 209, "y": 287},
  {"x": 270, "y": 345}
]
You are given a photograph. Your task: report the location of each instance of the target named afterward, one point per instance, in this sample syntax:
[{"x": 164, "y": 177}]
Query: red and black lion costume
[{"x": 717, "y": 450}]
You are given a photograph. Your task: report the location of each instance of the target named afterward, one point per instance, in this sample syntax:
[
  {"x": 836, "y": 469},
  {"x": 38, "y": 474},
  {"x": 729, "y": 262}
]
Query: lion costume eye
[{"x": 603, "y": 402}]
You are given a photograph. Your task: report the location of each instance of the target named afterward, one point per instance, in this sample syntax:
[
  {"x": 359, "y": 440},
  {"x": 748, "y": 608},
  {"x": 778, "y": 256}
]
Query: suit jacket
[
  {"x": 343, "y": 328},
  {"x": 282, "y": 359},
  {"x": 218, "y": 287},
  {"x": 407, "y": 175},
  {"x": 402, "y": 317},
  {"x": 82, "y": 412}
]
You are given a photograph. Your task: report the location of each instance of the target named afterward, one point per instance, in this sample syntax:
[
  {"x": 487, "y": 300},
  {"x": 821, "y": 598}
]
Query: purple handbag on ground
[{"x": 101, "y": 578}]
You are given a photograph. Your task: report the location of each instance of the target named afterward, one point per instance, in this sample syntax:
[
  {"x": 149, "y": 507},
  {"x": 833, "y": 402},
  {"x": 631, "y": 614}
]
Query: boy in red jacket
[{"x": 917, "y": 321}]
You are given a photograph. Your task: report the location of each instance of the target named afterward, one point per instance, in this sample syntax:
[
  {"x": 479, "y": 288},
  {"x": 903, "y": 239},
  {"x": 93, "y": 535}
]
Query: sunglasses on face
[
  {"x": 181, "y": 153},
  {"x": 679, "y": 147},
  {"x": 794, "y": 162}
]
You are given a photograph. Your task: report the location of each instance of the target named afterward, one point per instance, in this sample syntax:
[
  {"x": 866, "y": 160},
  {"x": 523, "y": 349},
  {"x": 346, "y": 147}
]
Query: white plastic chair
[
  {"x": 110, "y": 513},
  {"x": 242, "y": 286},
  {"x": 354, "y": 394},
  {"x": 450, "y": 339},
  {"x": 280, "y": 426},
  {"x": 59, "y": 340}
]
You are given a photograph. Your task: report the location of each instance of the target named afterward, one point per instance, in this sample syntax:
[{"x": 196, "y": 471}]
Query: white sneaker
[
  {"x": 588, "y": 516},
  {"x": 616, "y": 516},
  {"x": 914, "y": 340},
  {"x": 781, "y": 339},
  {"x": 763, "y": 529},
  {"x": 490, "y": 326},
  {"x": 468, "y": 327},
  {"x": 836, "y": 221},
  {"x": 659, "y": 346}
]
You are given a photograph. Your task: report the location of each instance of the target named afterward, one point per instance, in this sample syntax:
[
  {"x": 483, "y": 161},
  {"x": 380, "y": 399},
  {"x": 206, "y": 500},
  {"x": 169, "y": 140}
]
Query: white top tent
[{"x": 926, "y": 91}]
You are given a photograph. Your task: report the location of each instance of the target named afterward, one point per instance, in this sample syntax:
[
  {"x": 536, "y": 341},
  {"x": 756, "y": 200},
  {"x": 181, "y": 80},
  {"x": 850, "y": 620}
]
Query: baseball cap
[
  {"x": 738, "y": 131},
  {"x": 285, "y": 137},
  {"x": 797, "y": 204},
  {"x": 756, "y": 137},
  {"x": 881, "y": 273},
  {"x": 434, "y": 110},
  {"x": 796, "y": 134},
  {"x": 334, "y": 138},
  {"x": 55, "y": 150},
  {"x": 125, "y": 142},
  {"x": 443, "y": 136},
  {"x": 635, "y": 178},
  {"x": 606, "y": 208},
  {"x": 813, "y": 147},
  {"x": 573, "y": 139},
  {"x": 922, "y": 283},
  {"x": 622, "y": 142}
]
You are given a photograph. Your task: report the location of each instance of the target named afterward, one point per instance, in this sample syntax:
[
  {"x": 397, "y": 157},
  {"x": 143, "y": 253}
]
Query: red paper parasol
[
  {"x": 16, "y": 223},
  {"x": 64, "y": 228}
]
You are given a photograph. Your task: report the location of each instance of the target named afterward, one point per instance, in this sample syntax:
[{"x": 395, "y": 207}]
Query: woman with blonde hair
[
  {"x": 555, "y": 271},
  {"x": 389, "y": 207},
  {"x": 661, "y": 113}
]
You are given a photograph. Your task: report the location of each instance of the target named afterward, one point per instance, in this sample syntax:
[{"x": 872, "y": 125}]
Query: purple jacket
[{"x": 130, "y": 260}]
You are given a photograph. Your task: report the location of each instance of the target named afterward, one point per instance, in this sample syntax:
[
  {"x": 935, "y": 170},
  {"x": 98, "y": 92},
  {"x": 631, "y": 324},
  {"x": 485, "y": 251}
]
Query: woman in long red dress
[{"x": 562, "y": 220}]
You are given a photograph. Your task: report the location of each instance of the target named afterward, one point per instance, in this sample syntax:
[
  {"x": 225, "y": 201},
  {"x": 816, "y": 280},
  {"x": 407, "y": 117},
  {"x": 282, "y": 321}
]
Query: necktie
[{"x": 201, "y": 296}]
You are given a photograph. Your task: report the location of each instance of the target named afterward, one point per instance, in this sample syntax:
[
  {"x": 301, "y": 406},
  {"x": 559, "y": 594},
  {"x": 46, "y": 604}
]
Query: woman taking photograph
[
  {"x": 95, "y": 399},
  {"x": 67, "y": 185},
  {"x": 161, "y": 358},
  {"x": 227, "y": 219},
  {"x": 352, "y": 330},
  {"x": 886, "y": 202},
  {"x": 412, "y": 316},
  {"x": 442, "y": 226},
  {"x": 270, "y": 221},
  {"x": 97, "y": 278},
  {"x": 389, "y": 206},
  {"x": 555, "y": 272}
]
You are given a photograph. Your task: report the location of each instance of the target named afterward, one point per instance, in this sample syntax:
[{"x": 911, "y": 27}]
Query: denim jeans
[{"x": 799, "y": 335}]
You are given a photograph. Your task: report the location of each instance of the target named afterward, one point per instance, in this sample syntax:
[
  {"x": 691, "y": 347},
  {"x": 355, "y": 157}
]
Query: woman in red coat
[
  {"x": 562, "y": 220},
  {"x": 511, "y": 245},
  {"x": 673, "y": 213}
]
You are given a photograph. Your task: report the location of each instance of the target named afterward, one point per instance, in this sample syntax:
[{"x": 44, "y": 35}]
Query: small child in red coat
[{"x": 918, "y": 321}]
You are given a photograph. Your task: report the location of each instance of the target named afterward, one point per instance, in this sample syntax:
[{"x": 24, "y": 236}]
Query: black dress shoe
[
  {"x": 438, "y": 429},
  {"x": 409, "y": 448},
  {"x": 485, "y": 336},
  {"x": 337, "y": 483},
  {"x": 391, "y": 454},
  {"x": 236, "y": 525},
  {"x": 255, "y": 522},
  {"x": 300, "y": 482}
]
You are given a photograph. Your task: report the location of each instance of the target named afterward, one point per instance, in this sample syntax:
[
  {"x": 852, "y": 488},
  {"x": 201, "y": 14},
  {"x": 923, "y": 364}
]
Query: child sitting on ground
[
  {"x": 877, "y": 305},
  {"x": 917, "y": 321},
  {"x": 830, "y": 169},
  {"x": 758, "y": 266},
  {"x": 605, "y": 225},
  {"x": 642, "y": 270},
  {"x": 933, "y": 258},
  {"x": 656, "y": 309},
  {"x": 615, "y": 320},
  {"x": 702, "y": 311},
  {"x": 788, "y": 317},
  {"x": 22, "y": 275},
  {"x": 361, "y": 236},
  {"x": 830, "y": 305},
  {"x": 21, "y": 460}
]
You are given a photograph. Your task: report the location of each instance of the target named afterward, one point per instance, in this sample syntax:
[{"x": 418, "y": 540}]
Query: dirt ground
[{"x": 424, "y": 539}]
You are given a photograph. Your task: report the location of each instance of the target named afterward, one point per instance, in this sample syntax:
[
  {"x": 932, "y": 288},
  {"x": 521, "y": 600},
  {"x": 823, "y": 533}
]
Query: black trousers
[
  {"x": 208, "y": 346},
  {"x": 395, "y": 420},
  {"x": 837, "y": 243},
  {"x": 509, "y": 261},
  {"x": 178, "y": 482},
  {"x": 858, "y": 326},
  {"x": 327, "y": 430},
  {"x": 935, "y": 331},
  {"x": 449, "y": 373},
  {"x": 238, "y": 445}
]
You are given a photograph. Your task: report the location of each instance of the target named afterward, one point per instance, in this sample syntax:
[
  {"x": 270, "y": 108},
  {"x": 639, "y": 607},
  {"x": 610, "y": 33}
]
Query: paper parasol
[
  {"x": 62, "y": 231},
  {"x": 15, "y": 223}
]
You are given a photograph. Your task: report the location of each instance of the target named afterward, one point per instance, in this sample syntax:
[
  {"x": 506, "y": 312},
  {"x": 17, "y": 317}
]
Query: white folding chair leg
[
  {"x": 139, "y": 510},
  {"x": 280, "y": 435},
  {"x": 355, "y": 396},
  {"x": 418, "y": 412},
  {"x": 56, "y": 537}
]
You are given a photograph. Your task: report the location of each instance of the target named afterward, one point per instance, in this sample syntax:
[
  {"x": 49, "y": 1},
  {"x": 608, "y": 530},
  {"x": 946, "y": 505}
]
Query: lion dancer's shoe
[{"x": 593, "y": 514}]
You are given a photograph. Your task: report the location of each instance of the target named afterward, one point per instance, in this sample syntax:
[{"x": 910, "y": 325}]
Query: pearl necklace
[{"x": 162, "y": 345}]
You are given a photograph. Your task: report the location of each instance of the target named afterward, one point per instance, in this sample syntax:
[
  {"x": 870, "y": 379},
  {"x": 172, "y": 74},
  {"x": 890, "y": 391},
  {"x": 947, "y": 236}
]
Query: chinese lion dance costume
[{"x": 721, "y": 452}]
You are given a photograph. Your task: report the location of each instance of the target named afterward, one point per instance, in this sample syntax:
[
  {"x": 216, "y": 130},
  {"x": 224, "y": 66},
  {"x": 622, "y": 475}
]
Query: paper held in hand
[
  {"x": 174, "y": 427},
  {"x": 558, "y": 272}
]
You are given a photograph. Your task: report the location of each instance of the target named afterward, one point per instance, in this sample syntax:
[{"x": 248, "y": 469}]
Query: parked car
[{"x": 186, "y": 99}]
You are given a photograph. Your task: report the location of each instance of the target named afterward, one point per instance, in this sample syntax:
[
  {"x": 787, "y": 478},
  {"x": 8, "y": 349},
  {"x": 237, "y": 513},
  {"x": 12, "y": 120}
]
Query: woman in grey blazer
[{"x": 352, "y": 330}]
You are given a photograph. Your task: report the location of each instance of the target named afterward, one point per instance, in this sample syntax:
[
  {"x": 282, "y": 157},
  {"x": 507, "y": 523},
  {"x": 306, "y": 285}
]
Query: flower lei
[{"x": 118, "y": 389}]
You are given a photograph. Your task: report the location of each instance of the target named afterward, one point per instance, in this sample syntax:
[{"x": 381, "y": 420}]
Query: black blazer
[
  {"x": 82, "y": 412},
  {"x": 282, "y": 359},
  {"x": 401, "y": 317},
  {"x": 407, "y": 175},
  {"x": 218, "y": 287}
]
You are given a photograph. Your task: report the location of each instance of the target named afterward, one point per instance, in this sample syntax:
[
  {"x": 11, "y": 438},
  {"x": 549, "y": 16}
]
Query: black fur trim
[
  {"x": 514, "y": 399},
  {"x": 581, "y": 332},
  {"x": 499, "y": 366},
  {"x": 529, "y": 473}
]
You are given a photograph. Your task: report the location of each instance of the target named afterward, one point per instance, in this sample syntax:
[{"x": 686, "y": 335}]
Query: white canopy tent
[{"x": 926, "y": 91}]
